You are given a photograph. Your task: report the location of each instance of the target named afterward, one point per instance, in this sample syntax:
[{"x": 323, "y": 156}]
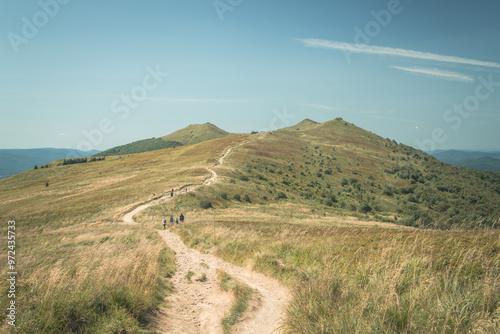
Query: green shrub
[
  {"x": 205, "y": 204},
  {"x": 365, "y": 208},
  {"x": 237, "y": 197},
  {"x": 280, "y": 195}
]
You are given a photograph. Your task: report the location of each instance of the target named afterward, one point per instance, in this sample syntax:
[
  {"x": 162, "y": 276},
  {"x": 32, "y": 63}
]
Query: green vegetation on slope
[
  {"x": 337, "y": 167},
  {"x": 282, "y": 204},
  {"x": 146, "y": 145}
]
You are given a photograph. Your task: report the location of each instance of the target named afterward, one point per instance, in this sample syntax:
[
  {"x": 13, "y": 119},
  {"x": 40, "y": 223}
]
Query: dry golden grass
[
  {"x": 80, "y": 276},
  {"x": 352, "y": 278},
  {"x": 348, "y": 275},
  {"x": 94, "y": 190},
  {"x": 90, "y": 278}
]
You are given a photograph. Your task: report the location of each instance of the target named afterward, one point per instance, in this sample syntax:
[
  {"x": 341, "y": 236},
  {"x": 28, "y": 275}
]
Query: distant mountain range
[
  {"x": 482, "y": 161},
  {"x": 13, "y": 161}
]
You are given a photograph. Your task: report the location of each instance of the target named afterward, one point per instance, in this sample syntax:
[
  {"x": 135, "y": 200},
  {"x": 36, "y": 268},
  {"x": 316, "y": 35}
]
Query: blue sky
[{"x": 92, "y": 74}]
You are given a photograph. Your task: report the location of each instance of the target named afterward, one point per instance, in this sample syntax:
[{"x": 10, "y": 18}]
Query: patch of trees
[
  {"x": 73, "y": 161},
  {"x": 146, "y": 145}
]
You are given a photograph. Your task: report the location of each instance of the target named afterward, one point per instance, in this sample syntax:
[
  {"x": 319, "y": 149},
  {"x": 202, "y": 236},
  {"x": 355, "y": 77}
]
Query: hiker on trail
[
  {"x": 181, "y": 218},
  {"x": 172, "y": 193},
  {"x": 177, "y": 221},
  {"x": 164, "y": 223},
  {"x": 171, "y": 220}
]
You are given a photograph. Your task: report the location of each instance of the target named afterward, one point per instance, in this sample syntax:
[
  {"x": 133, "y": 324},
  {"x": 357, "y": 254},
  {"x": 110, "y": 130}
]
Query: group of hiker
[{"x": 172, "y": 220}]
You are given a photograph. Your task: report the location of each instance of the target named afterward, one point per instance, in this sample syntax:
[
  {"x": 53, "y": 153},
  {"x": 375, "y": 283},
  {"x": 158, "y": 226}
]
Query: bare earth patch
[{"x": 199, "y": 307}]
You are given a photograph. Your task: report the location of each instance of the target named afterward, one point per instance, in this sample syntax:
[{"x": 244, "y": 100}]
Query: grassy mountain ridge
[
  {"x": 196, "y": 133},
  {"x": 284, "y": 206},
  {"x": 306, "y": 123},
  {"x": 81, "y": 269},
  {"x": 190, "y": 135},
  {"x": 337, "y": 167}
]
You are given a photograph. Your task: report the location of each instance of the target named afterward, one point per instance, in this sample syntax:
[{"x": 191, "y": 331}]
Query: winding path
[{"x": 198, "y": 305}]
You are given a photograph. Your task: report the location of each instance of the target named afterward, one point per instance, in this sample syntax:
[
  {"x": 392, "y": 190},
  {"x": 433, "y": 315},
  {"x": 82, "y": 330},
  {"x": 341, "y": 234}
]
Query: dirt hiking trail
[{"x": 198, "y": 305}]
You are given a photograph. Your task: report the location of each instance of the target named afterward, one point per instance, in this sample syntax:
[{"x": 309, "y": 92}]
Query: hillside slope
[
  {"x": 140, "y": 146},
  {"x": 339, "y": 168},
  {"x": 305, "y": 124},
  {"x": 282, "y": 203},
  {"x": 190, "y": 135},
  {"x": 196, "y": 133},
  {"x": 103, "y": 189}
]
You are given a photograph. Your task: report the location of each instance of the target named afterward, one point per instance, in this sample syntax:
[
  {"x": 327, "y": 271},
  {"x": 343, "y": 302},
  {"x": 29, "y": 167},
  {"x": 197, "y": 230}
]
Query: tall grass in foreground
[
  {"x": 396, "y": 290},
  {"x": 90, "y": 278},
  {"x": 367, "y": 279},
  {"x": 243, "y": 295}
]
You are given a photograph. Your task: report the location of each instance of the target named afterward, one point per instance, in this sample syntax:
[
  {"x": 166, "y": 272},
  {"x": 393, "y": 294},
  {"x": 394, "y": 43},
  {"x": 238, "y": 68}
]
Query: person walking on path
[
  {"x": 181, "y": 218},
  {"x": 171, "y": 220},
  {"x": 177, "y": 221},
  {"x": 164, "y": 223}
]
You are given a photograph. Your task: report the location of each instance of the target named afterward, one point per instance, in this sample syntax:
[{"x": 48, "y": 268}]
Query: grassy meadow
[
  {"x": 104, "y": 190},
  {"x": 90, "y": 278},
  {"x": 355, "y": 276},
  {"x": 370, "y": 235},
  {"x": 80, "y": 270}
]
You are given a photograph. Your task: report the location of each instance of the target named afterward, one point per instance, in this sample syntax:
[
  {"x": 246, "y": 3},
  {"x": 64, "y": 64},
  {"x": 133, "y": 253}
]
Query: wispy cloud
[
  {"x": 62, "y": 134},
  {"x": 437, "y": 73},
  {"x": 196, "y": 100},
  {"x": 395, "y": 52},
  {"x": 319, "y": 106}
]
